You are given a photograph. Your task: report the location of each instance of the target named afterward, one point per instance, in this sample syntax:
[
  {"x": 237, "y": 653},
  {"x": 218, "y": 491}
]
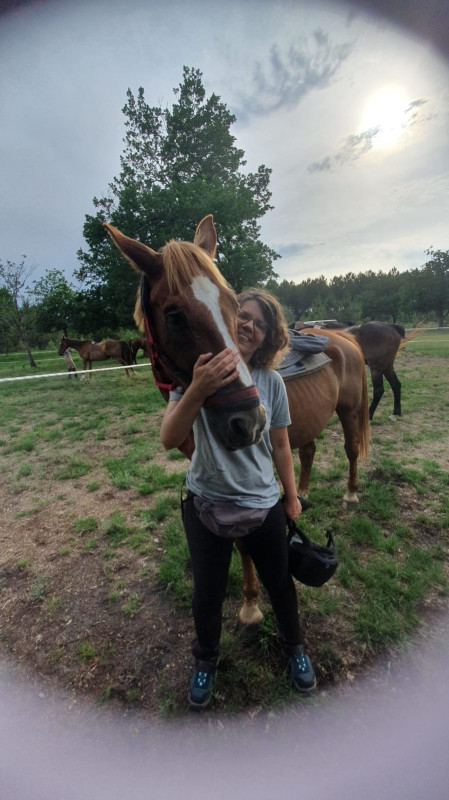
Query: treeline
[
  {"x": 386, "y": 296},
  {"x": 53, "y": 305}
]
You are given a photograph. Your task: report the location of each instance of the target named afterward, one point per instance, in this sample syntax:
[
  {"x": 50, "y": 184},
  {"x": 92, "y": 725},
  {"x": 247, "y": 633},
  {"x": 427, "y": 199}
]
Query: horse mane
[
  {"x": 138, "y": 313},
  {"x": 182, "y": 262}
]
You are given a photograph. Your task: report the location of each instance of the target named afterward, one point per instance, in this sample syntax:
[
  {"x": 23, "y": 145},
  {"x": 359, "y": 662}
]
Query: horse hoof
[
  {"x": 393, "y": 417},
  {"x": 350, "y": 499},
  {"x": 250, "y": 615}
]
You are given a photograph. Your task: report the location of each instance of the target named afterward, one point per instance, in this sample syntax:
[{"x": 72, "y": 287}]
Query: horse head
[
  {"x": 192, "y": 310},
  {"x": 63, "y": 345}
]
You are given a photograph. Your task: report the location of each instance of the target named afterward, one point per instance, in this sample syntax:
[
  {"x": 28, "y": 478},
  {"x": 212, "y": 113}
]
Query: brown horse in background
[
  {"x": 136, "y": 345},
  {"x": 98, "y": 351},
  {"x": 193, "y": 311},
  {"x": 380, "y": 342}
]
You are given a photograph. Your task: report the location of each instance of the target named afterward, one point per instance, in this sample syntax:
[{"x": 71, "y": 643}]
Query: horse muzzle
[{"x": 237, "y": 429}]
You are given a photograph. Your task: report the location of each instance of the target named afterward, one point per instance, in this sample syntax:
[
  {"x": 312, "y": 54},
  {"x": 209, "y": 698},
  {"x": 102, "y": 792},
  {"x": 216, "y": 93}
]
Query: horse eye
[{"x": 175, "y": 318}]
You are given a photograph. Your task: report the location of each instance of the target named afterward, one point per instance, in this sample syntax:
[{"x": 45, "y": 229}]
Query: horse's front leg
[
  {"x": 306, "y": 456},
  {"x": 250, "y": 613}
]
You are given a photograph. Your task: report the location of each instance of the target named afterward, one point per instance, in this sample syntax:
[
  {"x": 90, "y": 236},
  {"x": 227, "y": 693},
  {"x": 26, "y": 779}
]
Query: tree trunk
[
  {"x": 23, "y": 336},
  {"x": 30, "y": 355}
]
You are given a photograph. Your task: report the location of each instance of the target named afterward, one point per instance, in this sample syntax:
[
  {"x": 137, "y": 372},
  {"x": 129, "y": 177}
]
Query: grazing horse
[
  {"x": 136, "y": 345},
  {"x": 98, "y": 351},
  {"x": 189, "y": 310},
  {"x": 380, "y": 342}
]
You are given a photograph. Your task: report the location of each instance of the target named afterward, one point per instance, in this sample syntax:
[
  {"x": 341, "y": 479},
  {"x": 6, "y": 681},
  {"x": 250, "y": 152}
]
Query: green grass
[
  {"x": 59, "y": 442},
  {"x": 85, "y": 525}
]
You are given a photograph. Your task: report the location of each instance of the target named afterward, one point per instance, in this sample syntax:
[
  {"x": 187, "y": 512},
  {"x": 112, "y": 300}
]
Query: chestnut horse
[
  {"x": 98, "y": 351},
  {"x": 192, "y": 310}
]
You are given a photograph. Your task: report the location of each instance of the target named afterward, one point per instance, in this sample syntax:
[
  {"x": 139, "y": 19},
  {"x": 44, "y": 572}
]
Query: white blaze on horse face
[{"x": 206, "y": 292}]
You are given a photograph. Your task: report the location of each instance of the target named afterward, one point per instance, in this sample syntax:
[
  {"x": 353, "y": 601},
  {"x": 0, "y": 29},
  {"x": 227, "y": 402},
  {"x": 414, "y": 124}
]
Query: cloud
[
  {"x": 354, "y": 146},
  {"x": 357, "y": 145},
  {"x": 291, "y": 75},
  {"x": 414, "y": 113},
  {"x": 294, "y": 249}
]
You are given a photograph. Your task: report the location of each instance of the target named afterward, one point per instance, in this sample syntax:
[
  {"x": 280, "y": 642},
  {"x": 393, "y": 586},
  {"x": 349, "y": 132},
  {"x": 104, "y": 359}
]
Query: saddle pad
[
  {"x": 296, "y": 365},
  {"x": 308, "y": 342}
]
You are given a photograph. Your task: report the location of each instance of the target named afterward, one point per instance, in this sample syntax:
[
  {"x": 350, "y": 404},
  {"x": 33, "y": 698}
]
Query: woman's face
[{"x": 251, "y": 329}]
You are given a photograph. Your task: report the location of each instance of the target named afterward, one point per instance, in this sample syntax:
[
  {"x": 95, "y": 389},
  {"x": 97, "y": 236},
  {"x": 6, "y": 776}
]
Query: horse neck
[{"x": 76, "y": 342}]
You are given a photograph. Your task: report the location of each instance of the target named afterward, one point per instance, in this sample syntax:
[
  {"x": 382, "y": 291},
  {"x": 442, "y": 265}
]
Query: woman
[{"x": 243, "y": 486}]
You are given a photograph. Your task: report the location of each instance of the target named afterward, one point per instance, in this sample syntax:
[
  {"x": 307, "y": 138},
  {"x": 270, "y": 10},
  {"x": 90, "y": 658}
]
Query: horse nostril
[{"x": 238, "y": 427}]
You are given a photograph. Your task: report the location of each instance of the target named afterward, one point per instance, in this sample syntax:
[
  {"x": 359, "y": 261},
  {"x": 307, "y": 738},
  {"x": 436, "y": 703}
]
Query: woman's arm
[
  {"x": 209, "y": 375},
  {"x": 283, "y": 461}
]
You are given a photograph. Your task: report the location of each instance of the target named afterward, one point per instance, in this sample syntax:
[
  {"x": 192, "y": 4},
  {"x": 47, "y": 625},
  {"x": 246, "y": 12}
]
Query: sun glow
[{"x": 385, "y": 115}]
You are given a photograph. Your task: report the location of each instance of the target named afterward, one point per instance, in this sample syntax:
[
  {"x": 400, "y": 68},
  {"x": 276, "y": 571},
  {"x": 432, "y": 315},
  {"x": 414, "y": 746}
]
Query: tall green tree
[
  {"x": 17, "y": 315},
  {"x": 55, "y": 298},
  {"x": 178, "y": 165}
]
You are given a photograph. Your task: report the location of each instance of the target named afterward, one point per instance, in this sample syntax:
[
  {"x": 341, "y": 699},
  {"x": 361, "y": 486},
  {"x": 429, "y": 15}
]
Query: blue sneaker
[
  {"x": 200, "y": 690},
  {"x": 300, "y": 671}
]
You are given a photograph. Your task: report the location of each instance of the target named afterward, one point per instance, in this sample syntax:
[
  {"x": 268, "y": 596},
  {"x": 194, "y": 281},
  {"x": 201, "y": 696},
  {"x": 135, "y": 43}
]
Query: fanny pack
[{"x": 228, "y": 519}]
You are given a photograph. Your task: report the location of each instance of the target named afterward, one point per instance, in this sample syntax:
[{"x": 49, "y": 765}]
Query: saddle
[{"x": 305, "y": 355}]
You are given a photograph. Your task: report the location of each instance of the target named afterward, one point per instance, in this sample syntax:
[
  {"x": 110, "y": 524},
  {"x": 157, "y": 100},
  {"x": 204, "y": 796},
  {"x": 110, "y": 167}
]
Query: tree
[
  {"x": 380, "y": 295},
  {"x": 8, "y": 340},
  {"x": 431, "y": 285},
  {"x": 56, "y": 306},
  {"x": 17, "y": 314},
  {"x": 178, "y": 165}
]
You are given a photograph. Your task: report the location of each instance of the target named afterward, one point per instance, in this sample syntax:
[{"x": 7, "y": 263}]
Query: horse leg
[
  {"x": 306, "y": 456},
  {"x": 349, "y": 422},
  {"x": 250, "y": 613},
  {"x": 395, "y": 384},
  {"x": 123, "y": 363},
  {"x": 378, "y": 390}
]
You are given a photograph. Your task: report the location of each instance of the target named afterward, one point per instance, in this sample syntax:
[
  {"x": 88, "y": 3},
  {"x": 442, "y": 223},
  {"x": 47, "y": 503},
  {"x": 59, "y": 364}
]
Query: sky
[{"x": 350, "y": 111}]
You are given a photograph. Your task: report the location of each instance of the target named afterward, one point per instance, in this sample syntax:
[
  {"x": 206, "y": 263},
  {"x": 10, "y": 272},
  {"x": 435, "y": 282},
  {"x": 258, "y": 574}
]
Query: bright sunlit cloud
[{"x": 385, "y": 113}]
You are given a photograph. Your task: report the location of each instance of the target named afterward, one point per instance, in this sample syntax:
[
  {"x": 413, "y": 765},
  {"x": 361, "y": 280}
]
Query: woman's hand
[
  {"x": 292, "y": 508},
  {"x": 209, "y": 375},
  {"x": 213, "y": 373}
]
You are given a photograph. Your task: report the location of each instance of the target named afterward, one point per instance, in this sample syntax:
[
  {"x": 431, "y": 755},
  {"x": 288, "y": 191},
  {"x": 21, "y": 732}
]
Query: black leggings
[{"x": 211, "y": 557}]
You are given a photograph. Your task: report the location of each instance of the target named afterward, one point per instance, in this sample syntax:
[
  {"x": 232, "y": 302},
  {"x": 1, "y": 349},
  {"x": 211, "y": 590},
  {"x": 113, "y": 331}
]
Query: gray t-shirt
[{"x": 244, "y": 477}]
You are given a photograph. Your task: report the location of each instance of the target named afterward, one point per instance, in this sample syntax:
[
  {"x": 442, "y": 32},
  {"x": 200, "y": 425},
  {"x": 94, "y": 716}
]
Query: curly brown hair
[{"x": 273, "y": 348}]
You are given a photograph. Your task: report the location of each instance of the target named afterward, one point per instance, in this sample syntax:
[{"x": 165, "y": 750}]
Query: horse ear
[
  {"x": 206, "y": 235},
  {"x": 141, "y": 257}
]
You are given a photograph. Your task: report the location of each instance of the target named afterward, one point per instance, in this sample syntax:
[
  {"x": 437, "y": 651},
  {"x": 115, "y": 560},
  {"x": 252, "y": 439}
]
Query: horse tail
[
  {"x": 416, "y": 331},
  {"x": 400, "y": 329},
  {"x": 364, "y": 427},
  {"x": 125, "y": 352}
]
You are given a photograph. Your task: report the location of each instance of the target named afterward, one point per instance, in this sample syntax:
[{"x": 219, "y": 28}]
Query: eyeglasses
[{"x": 259, "y": 324}]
